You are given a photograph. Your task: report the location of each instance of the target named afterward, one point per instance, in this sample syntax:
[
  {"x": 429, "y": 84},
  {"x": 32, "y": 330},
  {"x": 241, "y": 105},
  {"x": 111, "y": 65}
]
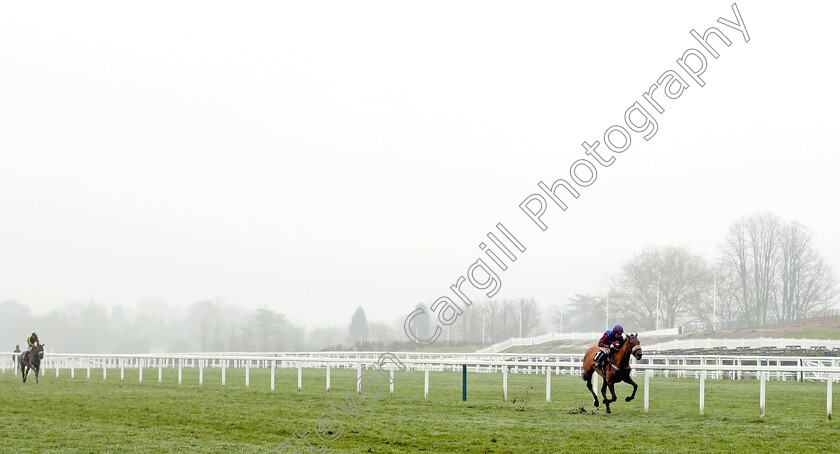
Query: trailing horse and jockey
[
  {"x": 611, "y": 360},
  {"x": 31, "y": 359}
]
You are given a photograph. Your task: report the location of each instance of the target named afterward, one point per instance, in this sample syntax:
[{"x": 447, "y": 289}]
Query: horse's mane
[{"x": 624, "y": 352}]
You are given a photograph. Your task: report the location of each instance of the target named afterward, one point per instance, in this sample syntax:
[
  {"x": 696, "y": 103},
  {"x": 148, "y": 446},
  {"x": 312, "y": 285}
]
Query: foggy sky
[{"x": 310, "y": 158}]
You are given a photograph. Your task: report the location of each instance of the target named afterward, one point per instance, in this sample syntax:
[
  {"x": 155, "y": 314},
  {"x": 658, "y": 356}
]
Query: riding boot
[{"x": 597, "y": 360}]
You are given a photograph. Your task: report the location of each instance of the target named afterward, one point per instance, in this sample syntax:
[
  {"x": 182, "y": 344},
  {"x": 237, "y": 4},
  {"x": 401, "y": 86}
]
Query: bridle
[{"x": 633, "y": 350}]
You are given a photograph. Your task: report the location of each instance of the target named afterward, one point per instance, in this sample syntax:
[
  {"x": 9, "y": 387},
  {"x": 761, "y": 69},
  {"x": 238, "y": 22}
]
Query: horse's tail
[{"x": 583, "y": 374}]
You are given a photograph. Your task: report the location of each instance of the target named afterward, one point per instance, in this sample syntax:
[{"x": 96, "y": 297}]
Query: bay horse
[
  {"x": 617, "y": 371},
  {"x": 31, "y": 360}
]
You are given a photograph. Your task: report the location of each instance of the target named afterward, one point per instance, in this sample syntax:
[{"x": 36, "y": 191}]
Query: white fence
[
  {"x": 733, "y": 367},
  {"x": 541, "y": 339},
  {"x": 758, "y": 342}
]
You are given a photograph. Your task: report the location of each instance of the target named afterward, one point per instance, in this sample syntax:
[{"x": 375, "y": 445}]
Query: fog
[{"x": 212, "y": 178}]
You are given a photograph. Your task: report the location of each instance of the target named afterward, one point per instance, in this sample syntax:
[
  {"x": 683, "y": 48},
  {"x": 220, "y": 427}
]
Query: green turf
[
  {"x": 96, "y": 416},
  {"x": 828, "y": 334}
]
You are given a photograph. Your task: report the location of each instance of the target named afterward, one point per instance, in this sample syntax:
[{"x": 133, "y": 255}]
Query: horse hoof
[
  {"x": 608, "y": 411},
  {"x": 595, "y": 403},
  {"x": 628, "y": 399}
]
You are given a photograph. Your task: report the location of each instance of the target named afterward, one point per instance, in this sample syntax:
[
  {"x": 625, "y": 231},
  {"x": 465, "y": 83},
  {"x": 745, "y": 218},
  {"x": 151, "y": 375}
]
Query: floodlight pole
[
  {"x": 607, "y": 320},
  {"x": 657, "y": 304},
  {"x": 714, "y": 303}
]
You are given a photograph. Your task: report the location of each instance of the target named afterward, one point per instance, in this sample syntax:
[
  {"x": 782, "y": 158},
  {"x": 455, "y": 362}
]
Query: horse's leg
[
  {"x": 588, "y": 378},
  {"x": 38, "y": 370},
  {"x": 604, "y": 390},
  {"x": 604, "y": 394},
  {"x": 635, "y": 386},
  {"x": 25, "y": 370},
  {"x": 612, "y": 391}
]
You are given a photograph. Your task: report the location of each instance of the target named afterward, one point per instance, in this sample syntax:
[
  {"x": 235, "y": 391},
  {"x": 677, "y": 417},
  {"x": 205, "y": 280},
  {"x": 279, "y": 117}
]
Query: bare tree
[
  {"x": 807, "y": 282},
  {"x": 660, "y": 283},
  {"x": 494, "y": 316},
  {"x": 584, "y": 313},
  {"x": 205, "y": 318},
  {"x": 751, "y": 252},
  {"x": 526, "y": 310}
]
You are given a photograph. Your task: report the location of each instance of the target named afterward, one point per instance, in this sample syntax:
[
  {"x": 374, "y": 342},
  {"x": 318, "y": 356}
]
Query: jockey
[
  {"x": 611, "y": 340},
  {"x": 33, "y": 340}
]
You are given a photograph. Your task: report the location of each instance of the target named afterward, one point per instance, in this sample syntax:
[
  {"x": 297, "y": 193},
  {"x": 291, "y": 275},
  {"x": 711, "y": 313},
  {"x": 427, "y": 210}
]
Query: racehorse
[
  {"x": 31, "y": 360},
  {"x": 617, "y": 371}
]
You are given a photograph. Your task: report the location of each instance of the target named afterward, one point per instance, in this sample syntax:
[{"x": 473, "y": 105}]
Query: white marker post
[
  {"x": 426, "y": 386},
  {"x": 647, "y": 390},
  {"x": 392, "y": 379},
  {"x": 702, "y": 391},
  {"x": 300, "y": 376},
  {"x": 828, "y": 385},
  {"x": 761, "y": 395},
  {"x": 328, "y": 377},
  {"x": 358, "y": 378},
  {"x": 504, "y": 382},
  {"x": 273, "y": 365},
  {"x": 548, "y": 385}
]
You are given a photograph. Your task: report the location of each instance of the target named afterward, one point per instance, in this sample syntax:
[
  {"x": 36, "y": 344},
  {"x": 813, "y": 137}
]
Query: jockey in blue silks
[{"x": 612, "y": 340}]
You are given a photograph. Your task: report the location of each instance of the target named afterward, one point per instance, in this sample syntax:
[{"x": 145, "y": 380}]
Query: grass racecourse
[{"x": 95, "y": 416}]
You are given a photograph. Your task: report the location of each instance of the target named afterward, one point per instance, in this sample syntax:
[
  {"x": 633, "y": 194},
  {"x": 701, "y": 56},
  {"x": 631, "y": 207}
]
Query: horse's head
[
  {"x": 40, "y": 350},
  {"x": 635, "y": 345}
]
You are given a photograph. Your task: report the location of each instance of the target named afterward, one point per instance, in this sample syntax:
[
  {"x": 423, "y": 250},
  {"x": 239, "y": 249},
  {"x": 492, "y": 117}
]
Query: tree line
[{"x": 768, "y": 271}]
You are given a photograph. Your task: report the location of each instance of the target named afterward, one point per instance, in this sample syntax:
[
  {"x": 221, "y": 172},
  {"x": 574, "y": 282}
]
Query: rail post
[
  {"x": 392, "y": 379},
  {"x": 328, "y": 377},
  {"x": 464, "y": 384},
  {"x": 504, "y": 382},
  {"x": 647, "y": 390},
  {"x": 358, "y": 378},
  {"x": 547, "y": 385},
  {"x": 426, "y": 385},
  {"x": 273, "y": 365},
  {"x": 300, "y": 376},
  {"x": 761, "y": 395},
  {"x": 828, "y": 385},
  {"x": 702, "y": 391}
]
